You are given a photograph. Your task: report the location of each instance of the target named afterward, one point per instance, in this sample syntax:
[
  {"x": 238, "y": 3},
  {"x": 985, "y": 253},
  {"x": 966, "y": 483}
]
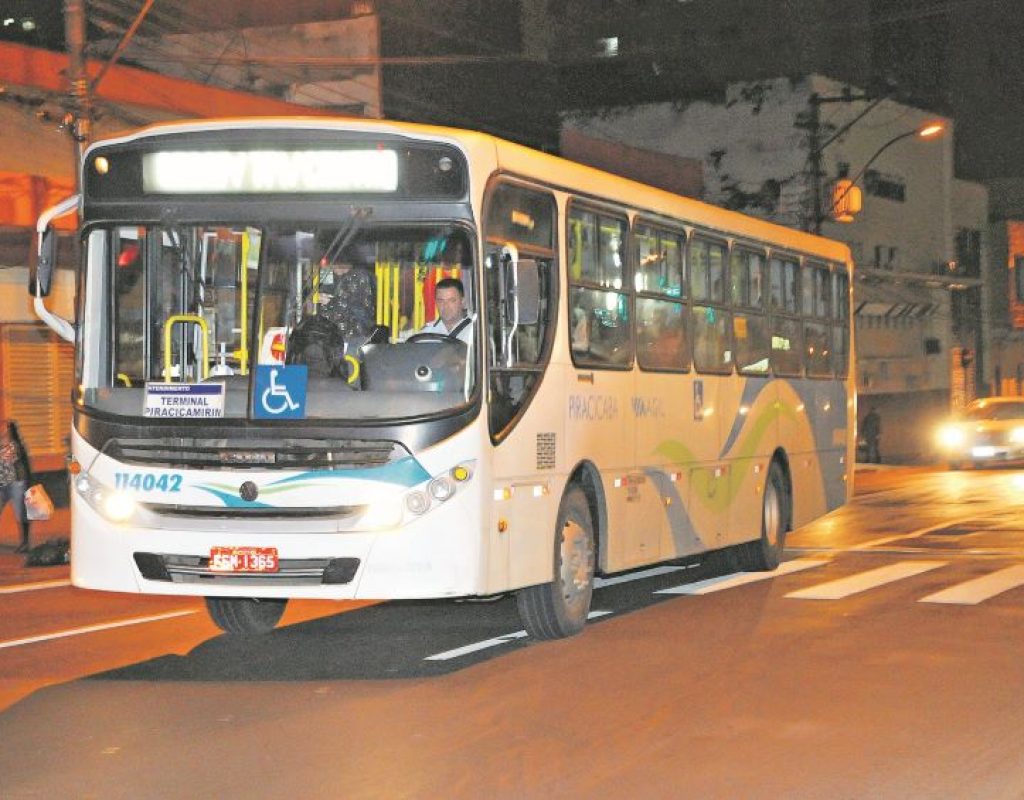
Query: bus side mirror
[{"x": 39, "y": 281}]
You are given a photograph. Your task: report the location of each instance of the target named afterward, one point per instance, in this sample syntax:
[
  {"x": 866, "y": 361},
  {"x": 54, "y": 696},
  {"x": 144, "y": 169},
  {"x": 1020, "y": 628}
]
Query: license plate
[
  {"x": 983, "y": 452},
  {"x": 243, "y": 559}
]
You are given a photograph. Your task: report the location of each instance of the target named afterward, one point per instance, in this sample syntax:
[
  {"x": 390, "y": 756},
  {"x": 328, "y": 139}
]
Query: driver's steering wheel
[{"x": 430, "y": 336}]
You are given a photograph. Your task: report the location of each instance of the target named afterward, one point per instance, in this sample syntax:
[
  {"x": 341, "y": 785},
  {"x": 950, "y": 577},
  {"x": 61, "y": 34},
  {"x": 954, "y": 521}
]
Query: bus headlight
[
  {"x": 417, "y": 502},
  {"x": 441, "y": 488},
  {"x": 118, "y": 506},
  {"x": 950, "y": 437},
  {"x": 390, "y": 512}
]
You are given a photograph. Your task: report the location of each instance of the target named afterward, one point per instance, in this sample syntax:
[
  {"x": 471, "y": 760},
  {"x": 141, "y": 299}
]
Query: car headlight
[
  {"x": 1017, "y": 435},
  {"x": 950, "y": 437}
]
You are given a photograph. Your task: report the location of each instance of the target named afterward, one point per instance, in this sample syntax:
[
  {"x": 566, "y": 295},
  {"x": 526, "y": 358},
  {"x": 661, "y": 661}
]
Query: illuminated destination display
[{"x": 269, "y": 171}]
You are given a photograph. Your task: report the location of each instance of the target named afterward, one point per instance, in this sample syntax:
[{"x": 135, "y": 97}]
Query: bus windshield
[{"x": 173, "y": 306}]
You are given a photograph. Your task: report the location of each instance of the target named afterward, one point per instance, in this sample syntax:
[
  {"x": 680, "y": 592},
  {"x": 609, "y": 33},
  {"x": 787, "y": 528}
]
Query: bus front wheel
[
  {"x": 764, "y": 554},
  {"x": 245, "y": 615},
  {"x": 559, "y": 609}
]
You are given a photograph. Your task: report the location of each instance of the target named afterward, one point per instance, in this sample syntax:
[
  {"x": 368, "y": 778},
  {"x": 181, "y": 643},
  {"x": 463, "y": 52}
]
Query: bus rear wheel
[
  {"x": 559, "y": 609},
  {"x": 764, "y": 554},
  {"x": 245, "y": 615}
]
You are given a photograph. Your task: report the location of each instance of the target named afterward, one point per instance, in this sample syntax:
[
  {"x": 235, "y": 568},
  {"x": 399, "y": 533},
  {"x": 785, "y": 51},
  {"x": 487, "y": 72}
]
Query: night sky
[{"x": 960, "y": 58}]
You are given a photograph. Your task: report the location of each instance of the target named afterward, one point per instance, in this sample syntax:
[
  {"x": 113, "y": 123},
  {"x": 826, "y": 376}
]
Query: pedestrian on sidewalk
[
  {"x": 15, "y": 477},
  {"x": 871, "y": 429}
]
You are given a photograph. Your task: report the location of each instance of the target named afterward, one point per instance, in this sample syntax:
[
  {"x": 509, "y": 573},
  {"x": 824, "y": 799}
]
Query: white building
[{"x": 918, "y": 239}]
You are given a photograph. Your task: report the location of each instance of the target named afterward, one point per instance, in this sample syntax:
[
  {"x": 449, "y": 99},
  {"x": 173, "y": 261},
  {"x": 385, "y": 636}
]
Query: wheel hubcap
[
  {"x": 772, "y": 514},
  {"x": 577, "y": 557}
]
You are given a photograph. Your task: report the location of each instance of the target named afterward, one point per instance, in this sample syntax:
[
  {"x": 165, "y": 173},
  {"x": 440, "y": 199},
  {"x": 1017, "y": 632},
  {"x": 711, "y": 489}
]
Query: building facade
[
  {"x": 781, "y": 149},
  {"x": 1007, "y": 284}
]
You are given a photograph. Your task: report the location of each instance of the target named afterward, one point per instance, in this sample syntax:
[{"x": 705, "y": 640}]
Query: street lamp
[{"x": 927, "y": 131}]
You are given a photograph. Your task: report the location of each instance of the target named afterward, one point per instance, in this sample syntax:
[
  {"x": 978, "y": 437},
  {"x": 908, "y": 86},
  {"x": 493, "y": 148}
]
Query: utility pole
[
  {"x": 79, "y": 117},
  {"x": 815, "y": 146},
  {"x": 814, "y": 156}
]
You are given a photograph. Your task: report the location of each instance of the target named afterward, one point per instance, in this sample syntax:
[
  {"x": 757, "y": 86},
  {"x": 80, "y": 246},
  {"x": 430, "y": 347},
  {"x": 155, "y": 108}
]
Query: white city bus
[{"x": 257, "y": 418}]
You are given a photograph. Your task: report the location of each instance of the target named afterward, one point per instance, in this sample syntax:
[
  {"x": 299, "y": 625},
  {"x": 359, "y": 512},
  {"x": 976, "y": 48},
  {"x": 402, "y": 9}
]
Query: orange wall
[
  {"x": 24, "y": 197},
  {"x": 43, "y": 70},
  {"x": 1015, "y": 249}
]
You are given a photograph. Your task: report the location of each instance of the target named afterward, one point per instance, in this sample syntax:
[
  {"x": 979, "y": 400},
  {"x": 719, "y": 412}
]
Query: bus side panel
[
  {"x": 527, "y": 485},
  {"x": 798, "y": 401},
  {"x": 707, "y": 475},
  {"x": 662, "y": 408},
  {"x": 642, "y": 487},
  {"x": 599, "y": 428},
  {"x": 750, "y": 436}
]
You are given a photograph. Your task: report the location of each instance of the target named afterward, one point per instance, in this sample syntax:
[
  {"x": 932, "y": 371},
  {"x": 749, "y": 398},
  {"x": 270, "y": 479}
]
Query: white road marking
[
  {"x": 912, "y": 535},
  {"x": 862, "y": 581},
  {"x": 103, "y": 626},
  {"x": 33, "y": 587},
  {"x": 972, "y": 592},
  {"x": 458, "y": 652},
  {"x": 741, "y": 578},
  {"x": 600, "y": 583}
]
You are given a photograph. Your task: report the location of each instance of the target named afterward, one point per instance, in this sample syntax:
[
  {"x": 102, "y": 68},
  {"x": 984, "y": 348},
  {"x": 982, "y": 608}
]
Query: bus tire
[
  {"x": 245, "y": 616},
  {"x": 764, "y": 554},
  {"x": 559, "y": 609}
]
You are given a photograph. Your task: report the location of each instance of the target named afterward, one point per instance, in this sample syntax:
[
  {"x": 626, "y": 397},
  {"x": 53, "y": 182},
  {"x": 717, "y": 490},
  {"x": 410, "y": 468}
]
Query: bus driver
[{"x": 450, "y": 299}]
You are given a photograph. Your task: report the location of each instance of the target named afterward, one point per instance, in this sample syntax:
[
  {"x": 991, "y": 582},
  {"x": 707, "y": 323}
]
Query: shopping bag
[{"x": 38, "y": 504}]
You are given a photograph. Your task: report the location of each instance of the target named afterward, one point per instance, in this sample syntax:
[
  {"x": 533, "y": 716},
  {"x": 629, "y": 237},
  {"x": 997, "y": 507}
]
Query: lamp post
[{"x": 928, "y": 131}]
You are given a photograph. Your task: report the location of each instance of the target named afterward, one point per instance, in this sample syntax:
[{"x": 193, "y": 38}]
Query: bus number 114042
[{"x": 147, "y": 482}]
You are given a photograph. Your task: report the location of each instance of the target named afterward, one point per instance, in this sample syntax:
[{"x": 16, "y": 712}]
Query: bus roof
[{"x": 518, "y": 160}]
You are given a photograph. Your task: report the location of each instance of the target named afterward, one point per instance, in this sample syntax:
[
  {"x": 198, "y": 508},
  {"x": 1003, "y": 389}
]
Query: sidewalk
[{"x": 12, "y": 565}]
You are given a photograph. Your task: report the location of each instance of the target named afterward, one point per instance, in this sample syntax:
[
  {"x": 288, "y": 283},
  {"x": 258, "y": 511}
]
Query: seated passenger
[{"x": 452, "y": 320}]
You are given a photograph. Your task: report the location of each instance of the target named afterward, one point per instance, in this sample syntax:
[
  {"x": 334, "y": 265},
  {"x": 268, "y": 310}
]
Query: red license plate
[{"x": 243, "y": 559}]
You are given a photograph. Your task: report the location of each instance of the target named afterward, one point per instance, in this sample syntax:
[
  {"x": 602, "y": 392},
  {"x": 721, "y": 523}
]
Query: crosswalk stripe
[
  {"x": 972, "y": 592},
  {"x": 862, "y": 581},
  {"x": 741, "y": 578}
]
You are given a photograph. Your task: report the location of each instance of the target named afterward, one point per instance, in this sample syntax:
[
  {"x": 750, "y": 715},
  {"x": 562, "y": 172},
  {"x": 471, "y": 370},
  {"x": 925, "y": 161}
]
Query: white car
[{"x": 988, "y": 431}]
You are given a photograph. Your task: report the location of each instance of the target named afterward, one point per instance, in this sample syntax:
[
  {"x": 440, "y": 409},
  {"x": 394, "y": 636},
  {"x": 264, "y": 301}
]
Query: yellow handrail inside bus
[
  {"x": 242, "y": 353},
  {"x": 203, "y": 327},
  {"x": 419, "y": 307},
  {"x": 351, "y": 359},
  {"x": 396, "y": 285}
]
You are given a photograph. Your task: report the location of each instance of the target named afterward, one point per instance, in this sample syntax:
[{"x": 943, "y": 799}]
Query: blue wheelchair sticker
[{"x": 280, "y": 391}]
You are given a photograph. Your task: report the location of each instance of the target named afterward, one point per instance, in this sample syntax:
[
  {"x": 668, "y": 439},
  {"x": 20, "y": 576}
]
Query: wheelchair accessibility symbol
[{"x": 280, "y": 391}]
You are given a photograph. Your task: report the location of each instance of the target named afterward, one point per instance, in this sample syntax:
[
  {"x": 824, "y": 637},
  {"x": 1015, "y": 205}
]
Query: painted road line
[
  {"x": 862, "y": 581},
  {"x": 33, "y": 587},
  {"x": 458, "y": 652},
  {"x": 970, "y": 593},
  {"x": 911, "y": 535},
  {"x": 103, "y": 626},
  {"x": 741, "y": 578},
  {"x": 600, "y": 583}
]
